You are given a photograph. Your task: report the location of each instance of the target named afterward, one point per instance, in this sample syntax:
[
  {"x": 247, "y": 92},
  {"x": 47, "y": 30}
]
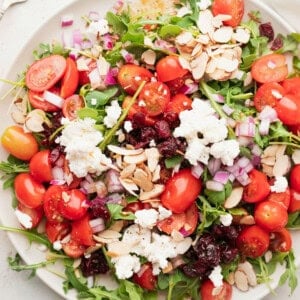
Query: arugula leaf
[
  {"x": 169, "y": 30},
  {"x": 97, "y": 99},
  {"x": 117, "y": 23},
  {"x": 45, "y": 50},
  {"x": 79, "y": 283},
  {"x": 218, "y": 198},
  {"x": 129, "y": 290},
  {"x": 116, "y": 212},
  {"x": 294, "y": 220},
  {"x": 171, "y": 162}
]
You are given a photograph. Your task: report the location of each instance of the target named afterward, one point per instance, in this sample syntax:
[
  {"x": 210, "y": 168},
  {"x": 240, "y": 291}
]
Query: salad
[{"x": 161, "y": 150}]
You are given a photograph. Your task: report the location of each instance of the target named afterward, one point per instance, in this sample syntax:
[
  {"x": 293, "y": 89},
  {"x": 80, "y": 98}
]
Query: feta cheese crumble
[
  {"x": 96, "y": 28},
  {"x": 203, "y": 4},
  {"x": 113, "y": 113},
  {"x": 24, "y": 219},
  {"x": 126, "y": 265},
  {"x": 280, "y": 185},
  {"x": 216, "y": 276},
  {"x": 226, "y": 219}
]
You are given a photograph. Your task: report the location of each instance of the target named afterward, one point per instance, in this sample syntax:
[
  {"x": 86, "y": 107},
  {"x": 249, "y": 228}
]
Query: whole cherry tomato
[
  {"x": 295, "y": 178},
  {"x": 288, "y": 109},
  {"x": 40, "y": 166},
  {"x": 295, "y": 201}
]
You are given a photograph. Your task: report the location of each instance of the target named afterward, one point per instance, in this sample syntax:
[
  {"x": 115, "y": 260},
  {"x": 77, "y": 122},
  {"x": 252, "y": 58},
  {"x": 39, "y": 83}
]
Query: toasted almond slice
[
  {"x": 203, "y": 39},
  {"x": 184, "y": 62},
  {"x": 18, "y": 116},
  {"x": 184, "y": 38},
  {"x": 268, "y": 170},
  {"x": 129, "y": 186},
  {"x": 117, "y": 225},
  {"x": 247, "y": 268},
  {"x": 247, "y": 220},
  {"x": 140, "y": 178},
  {"x": 197, "y": 50},
  {"x": 124, "y": 151},
  {"x": 149, "y": 57},
  {"x": 156, "y": 174},
  {"x": 152, "y": 155},
  {"x": 230, "y": 278},
  {"x": 229, "y": 65},
  {"x": 198, "y": 65},
  {"x": 128, "y": 171},
  {"x": 241, "y": 281},
  {"x": 168, "y": 268},
  {"x": 296, "y": 156},
  {"x": 268, "y": 256},
  {"x": 234, "y": 198},
  {"x": 269, "y": 160},
  {"x": 223, "y": 34},
  {"x": 155, "y": 192},
  {"x": 270, "y": 151},
  {"x": 118, "y": 248},
  {"x": 241, "y": 35},
  {"x": 135, "y": 159},
  {"x": 211, "y": 66},
  {"x": 109, "y": 234},
  {"x": 205, "y": 20},
  {"x": 280, "y": 151},
  {"x": 93, "y": 248},
  {"x": 282, "y": 166},
  {"x": 34, "y": 120}
]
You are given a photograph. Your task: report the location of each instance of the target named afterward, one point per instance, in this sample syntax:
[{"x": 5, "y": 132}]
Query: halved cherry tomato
[
  {"x": 36, "y": 214},
  {"x": 179, "y": 103},
  {"x": 281, "y": 241},
  {"x": 270, "y": 68},
  {"x": 268, "y": 94},
  {"x": 70, "y": 79},
  {"x": 56, "y": 231},
  {"x": 208, "y": 291},
  {"x": 71, "y": 105},
  {"x": 82, "y": 231},
  {"x": 253, "y": 241},
  {"x": 73, "y": 249},
  {"x": 258, "y": 188},
  {"x": 40, "y": 166},
  {"x": 295, "y": 178},
  {"x": 169, "y": 68},
  {"x": 19, "y": 143},
  {"x": 73, "y": 204},
  {"x": 288, "y": 109},
  {"x": 37, "y": 101},
  {"x": 271, "y": 216},
  {"x": 51, "y": 199},
  {"x": 45, "y": 73},
  {"x": 84, "y": 75},
  {"x": 145, "y": 277},
  {"x": 292, "y": 85},
  {"x": 29, "y": 191},
  {"x": 295, "y": 202},
  {"x": 283, "y": 198},
  {"x": 154, "y": 98},
  {"x": 177, "y": 85},
  {"x": 131, "y": 76},
  {"x": 181, "y": 191},
  {"x": 73, "y": 181}
]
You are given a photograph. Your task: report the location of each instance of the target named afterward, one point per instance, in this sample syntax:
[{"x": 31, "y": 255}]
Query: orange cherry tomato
[{"x": 70, "y": 79}]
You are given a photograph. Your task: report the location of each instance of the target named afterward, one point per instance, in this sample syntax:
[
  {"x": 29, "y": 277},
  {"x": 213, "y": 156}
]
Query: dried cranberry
[
  {"x": 225, "y": 233},
  {"x": 277, "y": 44},
  {"x": 228, "y": 254},
  {"x": 266, "y": 29},
  {"x": 162, "y": 129},
  {"x": 95, "y": 264},
  {"x": 147, "y": 134},
  {"x": 195, "y": 269},
  {"x": 138, "y": 120},
  {"x": 99, "y": 209},
  {"x": 168, "y": 148},
  {"x": 172, "y": 119}
]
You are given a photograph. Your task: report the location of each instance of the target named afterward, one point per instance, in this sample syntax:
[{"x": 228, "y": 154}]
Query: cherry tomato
[
  {"x": 70, "y": 79},
  {"x": 271, "y": 216},
  {"x": 56, "y": 231},
  {"x": 282, "y": 198},
  {"x": 268, "y": 94},
  {"x": 253, "y": 241},
  {"x": 233, "y": 8},
  {"x": 52, "y": 197},
  {"x": 292, "y": 85},
  {"x": 131, "y": 76},
  {"x": 36, "y": 214},
  {"x": 73, "y": 180},
  {"x": 207, "y": 291},
  {"x": 258, "y": 188},
  {"x": 40, "y": 167},
  {"x": 288, "y": 109},
  {"x": 18, "y": 143},
  {"x": 82, "y": 231},
  {"x": 134, "y": 206},
  {"x": 295, "y": 178},
  {"x": 84, "y": 75},
  {"x": 281, "y": 241},
  {"x": 73, "y": 204},
  {"x": 71, "y": 105},
  {"x": 270, "y": 68},
  {"x": 154, "y": 98},
  {"x": 73, "y": 249},
  {"x": 177, "y": 85},
  {"x": 295, "y": 202},
  {"x": 179, "y": 103},
  {"x": 145, "y": 277},
  {"x": 45, "y": 73},
  {"x": 37, "y": 101},
  {"x": 181, "y": 191},
  {"x": 29, "y": 191},
  {"x": 169, "y": 68}
]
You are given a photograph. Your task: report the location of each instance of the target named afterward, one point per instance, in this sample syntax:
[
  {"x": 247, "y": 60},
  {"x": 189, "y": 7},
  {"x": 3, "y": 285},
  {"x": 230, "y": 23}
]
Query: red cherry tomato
[
  {"x": 207, "y": 291},
  {"x": 29, "y": 191},
  {"x": 18, "y": 143},
  {"x": 266, "y": 95},
  {"x": 295, "y": 178},
  {"x": 145, "y": 277},
  {"x": 71, "y": 105},
  {"x": 73, "y": 249},
  {"x": 181, "y": 191},
  {"x": 45, "y": 73},
  {"x": 292, "y": 85},
  {"x": 179, "y": 103},
  {"x": 73, "y": 204},
  {"x": 253, "y": 241},
  {"x": 288, "y": 109},
  {"x": 295, "y": 202},
  {"x": 154, "y": 98},
  {"x": 281, "y": 241},
  {"x": 131, "y": 76},
  {"x": 176, "y": 85},
  {"x": 56, "y": 231},
  {"x": 282, "y": 198},
  {"x": 35, "y": 214},
  {"x": 134, "y": 206},
  {"x": 169, "y": 68},
  {"x": 70, "y": 79},
  {"x": 40, "y": 167},
  {"x": 271, "y": 216},
  {"x": 258, "y": 188},
  {"x": 82, "y": 231},
  {"x": 270, "y": 68}
]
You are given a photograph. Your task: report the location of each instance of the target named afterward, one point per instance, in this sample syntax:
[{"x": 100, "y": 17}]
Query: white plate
[{"x": 46, "y": 33}]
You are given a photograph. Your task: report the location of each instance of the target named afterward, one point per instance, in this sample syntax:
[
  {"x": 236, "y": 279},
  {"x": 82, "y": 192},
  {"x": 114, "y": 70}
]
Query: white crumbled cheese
[
  {"x": 24, "y": 219},
  {"x": 226, "y": 150},
  {"x": 96, "y": 28},
  {"x": 280, "y": 185},
  {"x": 196, "y": 152},
  {"x": 214, "y": 130},
  {"x": 216, "y": 276},
  {"x": 183, "y": 11},
  {"x": 163, "y": 213},
  {"x": 57, "y": 245},
  {"x": 146, "y": 218},
  {"x": 113, "y": 113},
  {"x": 226, "y": 219},
  {"x": 203, "y": 4},
  {"x": 128, "y": 126},
  {"x": 126, "y": 265},
  {"x": 80, "y": 139}
]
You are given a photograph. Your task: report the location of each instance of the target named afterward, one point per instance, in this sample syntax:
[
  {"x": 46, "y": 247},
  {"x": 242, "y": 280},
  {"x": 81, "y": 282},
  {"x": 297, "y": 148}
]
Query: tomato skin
[
  {"x": 73, "y": 204},
  {"x": 253, "y": 241},
  {"x": 45, "y": 73},
  {"x": 169, "y": 68},
  {"x": 82, "y": 232},
  {"x": 270, "y": 68},
  {"x": 71, "y": 105},
  {"x": 179, "y": 103},
  {"x": 292, "y": 85},
  {"x": 131, "y": 76},
  {"x": 181, "y": 191},
  {"x": 295, "y": 201},
  {"x": 134, "y": 206},
  {"x": 56, "y": 231},
  {"x": 207, "y": 288},
  {"x": 258, "y": 188},
  {"x": 40, "y": 166},
  {"x": 281, "y": 241},
  {"x": 18, "y": 143},
  {"x": 271, "y": 216},
  {"x": 36, "y": 100},
  {"x": 145, "y": 277},
  {"x": 73, "y": 249},
  {"x": 70, "y": 79},
  {"x": 283, "y": 198},
  {"x": 28, "y": 191},
  {"x": 36, "y": 214},
  {"x": 295, "y": 178},
  {"x": 288, "y": 109}
]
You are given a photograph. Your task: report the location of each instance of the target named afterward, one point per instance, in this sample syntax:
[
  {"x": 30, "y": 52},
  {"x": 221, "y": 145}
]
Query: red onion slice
[{"x": 67, "y": 20}]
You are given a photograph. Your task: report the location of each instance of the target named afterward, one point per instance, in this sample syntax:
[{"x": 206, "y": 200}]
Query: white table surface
[{"x": 15, "y": 28}]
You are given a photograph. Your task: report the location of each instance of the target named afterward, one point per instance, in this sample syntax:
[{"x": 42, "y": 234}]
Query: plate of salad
[{"x": 150, "y": 155}]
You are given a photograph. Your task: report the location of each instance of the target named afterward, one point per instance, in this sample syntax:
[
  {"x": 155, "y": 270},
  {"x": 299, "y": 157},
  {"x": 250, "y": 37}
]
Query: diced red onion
[
  {"x": 231, "y": 122},
  {"x": 58, "y": 174},
  {"x": 189, "y": 88},
  {"x": 243, "y": 179},
  {"x": 89, "y": 187},
  {"x": 114, "y": 198},
  {"x": 255, "y": 160},
  {"x": 243, "y": 162},
  {"x": 112, "y": 182},
  {"x": 86, "y": 44},
  {"x": 268, "y": 113},
  {"x": 108, "y": 43},
  {"x": 245, "y": 128},
  {"x": 164, "y": 45},
  {"x": 67, "y": 20},
  {"x": 77, "y": 37},
  {"x": 101, "y": 188},
  {"x": 214, "y": 186},
  {"x": 264, "y": 127},
  {"x": 197, "y": 170},
  {"x": 213, "y": 165},
  {"x": 73, "y": 54},
  {"x": 57, "y": 182},
  {"x": 128, "y": 57},
  {"x": 183, "y": 231},
  {"x": 218, "y": 98},
  {"x": 256, "y": 150},
  {"x": 109, "y": 78},
  {"x": 53, "y": 99},
  {"x": 93, "y": 16},
  {"x": 95, "y": 78},
  {"x": 221, "y": 176},
  {"x": 97, "y": 225},
  {"x": 227, "y": 109}
]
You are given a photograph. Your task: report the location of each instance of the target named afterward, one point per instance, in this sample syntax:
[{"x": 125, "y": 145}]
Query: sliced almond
[
  {"x": 135, "y": 159},
  {"x": 18, "y": 116},
  {"x": 269, "y": 160},
  {"x": 223, "y": 34},
  {"x": 230, "y": 278},
  {"x": 152, "y": 155},
  {"x": 93, "y": 248},
  {"x": 241, "y": 280},
  {"x": 118, "y": 248},
  {"x": 203, "y": 39},
  {"x": 247, "y": 268},
  {"x": 234, "y": 198},
  {"x": 117, "y": 225},
  {"x": 124, "y": 151},
  {"x": 241, "y": 35},
  {"x": 211, "y": 66},
  {"x": 205, "y": 21},
  {"x": 154, "y": 193},
  {"x": 129, "y": 186},
  {"x": 156, "y": 174},
  {"x": 247, "y": 220},
  {"x": 128, "y": 171},
  {"x": 140, "y": 178},
  {"x": 296, "y": 156},
  {"x": 282, "y": 166},
  {"x": 198, "y": 65},
  {"x": 270, "y": 151},
  {"x": 109, "y": 234},
  {"x": 168, "y": 268},
  {"x": 226, "y": 64},
  {"x": 149, "y": 57},
  {"x": 197, "y": 50},
  {"x": 184, "y": 38},
  {"x": 268, "y": 170},
  {"x": 280, "y": 151}
]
